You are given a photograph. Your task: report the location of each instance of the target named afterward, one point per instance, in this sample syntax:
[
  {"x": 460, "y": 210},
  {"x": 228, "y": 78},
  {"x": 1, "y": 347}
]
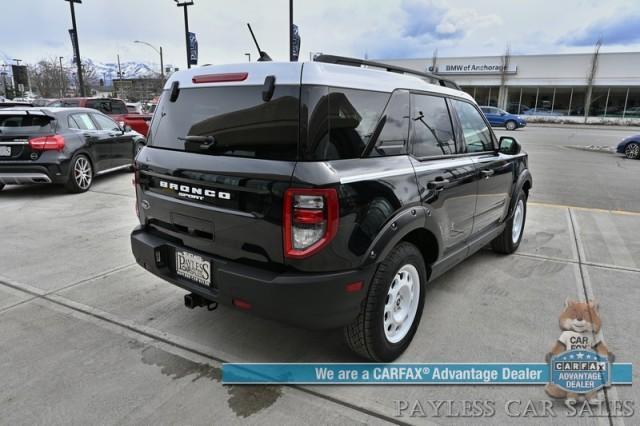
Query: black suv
[{"x": 322, "y": 194}]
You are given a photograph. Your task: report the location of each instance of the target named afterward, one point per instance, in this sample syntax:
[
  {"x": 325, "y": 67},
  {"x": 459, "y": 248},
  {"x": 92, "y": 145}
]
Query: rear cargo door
[{"x": 217, "y": 163}]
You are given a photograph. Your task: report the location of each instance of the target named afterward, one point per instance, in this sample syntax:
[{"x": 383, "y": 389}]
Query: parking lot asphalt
[
  {"x": 565, "y": 173},
  {"x": 87, "y": 336}
]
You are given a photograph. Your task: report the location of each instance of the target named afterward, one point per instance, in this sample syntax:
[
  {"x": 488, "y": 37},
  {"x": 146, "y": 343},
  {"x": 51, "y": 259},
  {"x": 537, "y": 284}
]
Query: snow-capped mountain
[
  {"x": 129, "y": 69},
  {"x": 106, "y": 70}
]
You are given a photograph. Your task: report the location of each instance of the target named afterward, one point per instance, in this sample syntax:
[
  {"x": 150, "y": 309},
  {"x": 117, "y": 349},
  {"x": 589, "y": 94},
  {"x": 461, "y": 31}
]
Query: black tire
[
  {"x": 366, "y": 336},
  {"x": 80, "y": 174},
  {"x": 511, "y": 125},
  {"x": 632, "y": 151},
  {"x": 1, "y": 186},
  {"x": 505, "y": 242}
]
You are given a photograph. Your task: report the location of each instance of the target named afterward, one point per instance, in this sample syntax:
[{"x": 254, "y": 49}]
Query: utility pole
[
  {"x": 119, "y": 69},
  {"x": 184, "y": 5},
  {"x": 291, "y": 30},
  {"x": 61, "y": 77},
  {"x": 77, "y": 44}
]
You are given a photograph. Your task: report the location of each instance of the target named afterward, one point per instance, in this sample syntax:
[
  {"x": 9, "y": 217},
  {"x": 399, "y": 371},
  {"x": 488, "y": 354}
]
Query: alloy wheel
[
  {"x": 82, "y": 172},
  {"x": 632, "y": 151},
  {"x": 401, "y": 303},
  {"x": 518, "y": 221}
]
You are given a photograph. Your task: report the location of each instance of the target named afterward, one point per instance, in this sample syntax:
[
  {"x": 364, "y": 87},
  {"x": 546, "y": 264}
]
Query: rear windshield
[
  {"x": 22, "y": 123},
  {"x": 240, "y": 121}
]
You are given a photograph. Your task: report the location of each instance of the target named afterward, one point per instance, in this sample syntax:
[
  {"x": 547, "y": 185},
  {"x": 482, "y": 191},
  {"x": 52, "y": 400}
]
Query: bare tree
[
  {"x": 505, "y": 61},
  {"x": 47, "y": 78},
  {"x": 590, "y": 77},
  {"x": 90, "y": 76},
  {"x": 434, "y": 61}
]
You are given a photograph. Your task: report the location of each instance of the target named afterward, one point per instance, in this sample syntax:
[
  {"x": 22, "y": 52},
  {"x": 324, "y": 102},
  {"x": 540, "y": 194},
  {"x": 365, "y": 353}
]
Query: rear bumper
[
  {"x": 22, "y": 178},
  {"x": 316, "y": 301},
  {"x": 18, "y": 174}
]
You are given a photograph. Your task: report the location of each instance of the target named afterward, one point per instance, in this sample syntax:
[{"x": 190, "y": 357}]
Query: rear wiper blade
[{"x": 205, "y": 141}]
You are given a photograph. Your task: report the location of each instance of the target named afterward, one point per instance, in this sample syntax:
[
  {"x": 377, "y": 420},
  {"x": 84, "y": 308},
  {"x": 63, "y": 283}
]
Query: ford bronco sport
[{"x": 324, "y": 194}]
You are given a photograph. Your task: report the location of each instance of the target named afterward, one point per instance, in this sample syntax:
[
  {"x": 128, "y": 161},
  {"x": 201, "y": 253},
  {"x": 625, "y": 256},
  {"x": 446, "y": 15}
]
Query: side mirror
[
  {"x": 509, "y": 145},
  {"x": 125, "y": 128}
]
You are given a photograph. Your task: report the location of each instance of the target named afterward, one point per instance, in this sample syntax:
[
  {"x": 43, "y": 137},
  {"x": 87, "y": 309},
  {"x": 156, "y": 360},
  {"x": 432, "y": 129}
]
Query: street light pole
[
  {"x": 248, "y": 55},
  {"x": 184, "y": 5},
  {"x": 61, "y": 77},
  {"x": 77, "y": 46},
  {"x": 158, "y": 51}
]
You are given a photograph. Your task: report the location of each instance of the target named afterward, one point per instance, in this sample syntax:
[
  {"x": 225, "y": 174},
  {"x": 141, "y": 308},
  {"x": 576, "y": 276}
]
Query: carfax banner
[{"x": 575, "y": 375}]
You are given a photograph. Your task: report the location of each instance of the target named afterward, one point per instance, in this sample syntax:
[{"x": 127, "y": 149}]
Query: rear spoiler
[{"x": 27, "y": 112}]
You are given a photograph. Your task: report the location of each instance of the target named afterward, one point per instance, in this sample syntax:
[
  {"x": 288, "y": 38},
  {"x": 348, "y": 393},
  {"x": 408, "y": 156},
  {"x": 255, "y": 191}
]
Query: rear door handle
[
  {"x": 486, "y": 173},
  {"x": 437, "y": 184}
]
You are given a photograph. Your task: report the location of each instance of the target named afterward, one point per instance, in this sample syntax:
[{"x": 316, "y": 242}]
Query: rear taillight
[
  {"x": 310, "y": 220},
  {"x": 47, "y": 143}
]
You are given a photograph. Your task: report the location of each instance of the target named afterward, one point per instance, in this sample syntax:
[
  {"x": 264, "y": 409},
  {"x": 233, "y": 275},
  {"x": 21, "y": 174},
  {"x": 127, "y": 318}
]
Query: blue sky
[{"x": 33, "y": 29}]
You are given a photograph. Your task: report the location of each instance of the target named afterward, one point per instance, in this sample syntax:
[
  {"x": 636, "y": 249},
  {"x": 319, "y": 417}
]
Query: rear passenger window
[
  {"x": 81, "y": 121},
  {"x": 432, "y": 130},
  {"x": 477, "y": 135}
]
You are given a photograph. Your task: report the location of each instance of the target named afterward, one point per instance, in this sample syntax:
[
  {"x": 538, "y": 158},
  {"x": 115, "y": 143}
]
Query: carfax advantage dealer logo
[{"x": 579, "y": 371}]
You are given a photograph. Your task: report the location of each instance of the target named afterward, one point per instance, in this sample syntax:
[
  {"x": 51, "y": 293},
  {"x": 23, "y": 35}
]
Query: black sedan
[{"x": 62, "y": 146}]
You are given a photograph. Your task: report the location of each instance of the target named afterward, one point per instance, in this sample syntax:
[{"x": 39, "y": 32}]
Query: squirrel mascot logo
[{"x": 581, "y": 330}]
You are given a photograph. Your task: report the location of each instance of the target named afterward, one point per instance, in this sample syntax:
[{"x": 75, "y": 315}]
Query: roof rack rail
[{"x": 355, "y": 62}]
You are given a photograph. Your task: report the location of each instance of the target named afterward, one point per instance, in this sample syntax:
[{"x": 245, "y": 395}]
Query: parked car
[
  {"x": 630, "y": 147},
  {"x": 115, "y": 108},
  {"x": 500, "y": 117},
  {"x": 134, "y": 107},
  {"x": 325, "y": 196},
  {"x": 62, "y": 146}
]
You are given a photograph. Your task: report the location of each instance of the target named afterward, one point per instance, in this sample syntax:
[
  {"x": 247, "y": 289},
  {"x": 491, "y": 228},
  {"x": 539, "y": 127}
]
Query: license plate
[
  {"x": 5, "y": 151},
  {"x": 193, "y": 267}
]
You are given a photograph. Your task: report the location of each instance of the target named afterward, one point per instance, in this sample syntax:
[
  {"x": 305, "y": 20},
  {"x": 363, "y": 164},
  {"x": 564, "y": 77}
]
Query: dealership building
[{"x": 545, "y": 85}]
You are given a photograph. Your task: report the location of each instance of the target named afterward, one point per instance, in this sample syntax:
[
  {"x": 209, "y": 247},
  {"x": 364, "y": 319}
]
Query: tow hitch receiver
[{"x": 193, "y": 300}]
